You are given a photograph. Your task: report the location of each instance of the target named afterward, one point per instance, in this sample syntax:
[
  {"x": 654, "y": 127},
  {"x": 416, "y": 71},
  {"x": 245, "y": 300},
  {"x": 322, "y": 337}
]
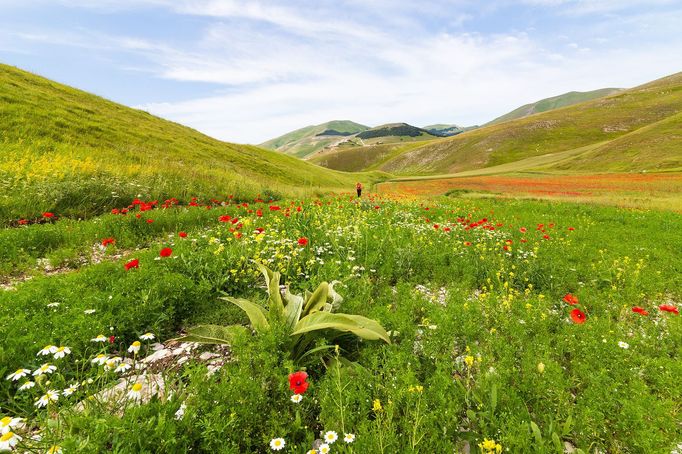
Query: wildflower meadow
[{"x": 337, "y": 324}]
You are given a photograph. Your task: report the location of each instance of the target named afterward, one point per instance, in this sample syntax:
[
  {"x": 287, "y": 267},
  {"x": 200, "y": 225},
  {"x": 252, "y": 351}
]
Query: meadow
[{"x": 491, "y": 325}]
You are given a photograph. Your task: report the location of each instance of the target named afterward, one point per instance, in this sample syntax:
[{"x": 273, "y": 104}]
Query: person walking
[{"x": 358, "y": 188}]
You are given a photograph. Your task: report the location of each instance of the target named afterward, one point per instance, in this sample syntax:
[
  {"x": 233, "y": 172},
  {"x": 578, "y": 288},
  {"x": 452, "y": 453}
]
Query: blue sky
[{"x": 246, "y": 71}]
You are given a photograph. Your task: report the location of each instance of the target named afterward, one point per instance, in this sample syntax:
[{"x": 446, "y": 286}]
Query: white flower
[
  {"x": 181, "y": 412},
  {"x": 122, "y": 367},
  {"x": 8, "y": 423},
  {"x": 296, "y": 398},
  {"x": 330, "y": 437},
  {"x": 147, "y": 336},
  {"x": 349, "y": 438},
  {"x": 134, "y": 348},
  {"x": 46, "y": 368},
  {"x": 324, "y": 448},
  {"x": 8, "y": 441},
  {"x": 135, "y": 391},
  {"x": 47, "y": 350},
  {"x": 20, "y": 373},
  {"x": 27, "y": 385},
  {"x": 89, "y": 311},
  {"x": 54, "y": 449},
  {"x": 624, "y": 345},
  {"x": 61, "y": 352},
  {"x": 277, "y": 444},
  {"x": 99, "y": 338},
  {"x": 53, "y": 305},
  {"x": 113, "y": 362},
  {"x": 50, "y": 395},
  {"x": 100, "y": 359},
  {"x": 70, "y": 390}
]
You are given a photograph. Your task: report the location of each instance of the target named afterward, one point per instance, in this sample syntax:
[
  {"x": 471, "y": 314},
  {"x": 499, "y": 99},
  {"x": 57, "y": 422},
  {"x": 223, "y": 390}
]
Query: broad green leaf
[
  {"x": 212, "y": 334},
  {"x": 536, "y": 432},
  {"x": 272, "y": 285},
  {"x": 317, "y": 299},
  {"x": 360, "y": 326},
  {"x": 336, "y": 298},
  {"x": 292, "y": 311},
  {"x": 256, "y": 313},
  {"x": 566, "y": 428},
  {"x": 557, "y": 443}
]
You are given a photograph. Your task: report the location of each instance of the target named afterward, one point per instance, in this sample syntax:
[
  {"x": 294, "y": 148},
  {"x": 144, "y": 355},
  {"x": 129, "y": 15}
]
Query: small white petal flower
[
  {"x": 99, "y": 338},
  {"x": 324, "y": 448},
  {"x": 27, "y": 385},
  {"x": 100, "y": 359},
  {"x": 123, "y": 367},
  {"x": 49, "y": 396},
  {"x": 277, "y": 444},
  {"x": 296, "y": 398},
  {"x": 20, "y": 373},
  {"x": 147, "y": 336},
  {"x": 46, "y": 368},
  {"x": 134, "y": 348},
  {"x": 349, "y": 438},
  {"x": 8, "y": 423},
  {"x": 61, "y": 352},
  {"x": 70, "y": 390},
  {"x": 181, "y": 412},
  {"x": 53, "y": 305},
  {"x": 47, "y": 350},
  {"x": 624, "y": 345},
  {"x": 89, "y": 311},
  {"x": 135, "y": 392},
  {"x": 330, "y": 436},
  {"x": 8, "y": 441}
]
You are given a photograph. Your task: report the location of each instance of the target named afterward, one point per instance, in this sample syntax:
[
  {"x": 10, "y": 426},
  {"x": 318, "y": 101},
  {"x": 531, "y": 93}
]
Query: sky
[{"x": 249, "y": 70}]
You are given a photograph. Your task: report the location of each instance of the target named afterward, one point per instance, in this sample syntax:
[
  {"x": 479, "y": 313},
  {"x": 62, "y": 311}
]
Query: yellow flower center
[
  {"x": 54, "y": 450},
  {"x": 137, "y": 387},
  {"x": 7, "y": 436},
  {"x": 4, "y": 422},
  {"x": 136, "y": 344},
  {"x": 19, "y": 372},
  {"x": 278, "y": 443}
]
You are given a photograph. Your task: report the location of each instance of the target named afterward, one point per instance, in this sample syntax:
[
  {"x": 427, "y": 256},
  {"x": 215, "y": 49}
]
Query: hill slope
[
  {"x": 72, "y": 152},
  {"x": 555, "y": 102},
  {"x": 597, "y": 122},
  {"x": 310, "y": 139}
]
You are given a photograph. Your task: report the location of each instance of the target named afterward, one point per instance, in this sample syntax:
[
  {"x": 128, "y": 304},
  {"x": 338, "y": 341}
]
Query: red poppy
[
  {"x": 225, "y": 218},
  {"x": 134, "y": 263},
  {"x": 48, "y": 215},
  {"x": 259, "y": 213},
  {"x": 545, "y": 237},
  {"x": 23, "y": 221},
  {"x": 298, "y": 383},
  {"x": 578, "y": 316},
  {"x": 303, "y": 241},
  {"x": 570, "y": 229},
  {"x": 107, "y": 241},
  {"x": 149, "y": 221},
  {"x": 467, "y": 243},
  {"x": 571, "y": 299},
  {"x": 669, "y": 308},
  {"x": 182, "y": 234},
  {"x": 639, "y": 310},
  {"x": 112, "y": 339},
  {"x": 166, "y": 252}
]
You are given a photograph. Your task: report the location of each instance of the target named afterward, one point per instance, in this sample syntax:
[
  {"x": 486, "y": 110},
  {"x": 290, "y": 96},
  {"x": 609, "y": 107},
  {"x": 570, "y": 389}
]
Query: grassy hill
[
  {"x": 635, "y": 129},
  {"x": 73, "y": 153},
  {"x": 308, "y": 140},
  {"x": 555, "y": 102},
  {"x": 445, "y": 130}
]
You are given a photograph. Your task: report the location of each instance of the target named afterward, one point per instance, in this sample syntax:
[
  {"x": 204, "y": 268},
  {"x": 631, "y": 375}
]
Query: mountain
[
  {"x": 306, "y": 141},
  {"x": 555, "y": 102},
  {"x": 74, "y": 153},
  {"x": 630, "y": 130},
  {"x": 444, "y": 130}
]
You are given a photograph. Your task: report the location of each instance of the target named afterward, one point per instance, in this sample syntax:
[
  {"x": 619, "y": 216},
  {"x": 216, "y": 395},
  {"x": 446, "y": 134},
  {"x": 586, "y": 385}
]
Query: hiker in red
[{"x": 358, "y": 188}]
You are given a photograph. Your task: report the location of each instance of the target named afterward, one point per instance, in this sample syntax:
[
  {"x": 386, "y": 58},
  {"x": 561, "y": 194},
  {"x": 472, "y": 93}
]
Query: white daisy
[
  {"x": 27, "y": 385},
  {"x": 8, "y": 423},
  {"x": 20, "y": 373},
  {"x": 70, "y": 390},
  {"x": 330, "y": 437},
  {"x": 324, "y": 448},
  {"x": 122, "y": 367},
  {"x": 311, "y": 451},
  {"x": 99, "y": 338},
  {"x": 113, "y": 362},
  {"x": 624, "y": 345},
  {"x": 89, "y": 311},
  {"x": 46, "y": 368},
  {"x": 296, "y": 398},
  {"x": 134, "y": 348},
  {"x": 53, "y": 305},
  {"x": 61, "y": 352},
  {"x": 147, "y": 336},
  {"x": 135, "y": 391},
  {"x": 277, "y": 444},
  {"x": 49, "y": 396},
  {"x": 100, "y": 359},
  {"x": 349, "y": 438},
  {"x": 8, "y": 441},
  {"x": 47, "y": 350}
]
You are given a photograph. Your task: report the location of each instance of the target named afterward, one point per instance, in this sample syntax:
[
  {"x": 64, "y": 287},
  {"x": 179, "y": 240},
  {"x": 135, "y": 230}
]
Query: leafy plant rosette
[{"x": 309, "y": 320}]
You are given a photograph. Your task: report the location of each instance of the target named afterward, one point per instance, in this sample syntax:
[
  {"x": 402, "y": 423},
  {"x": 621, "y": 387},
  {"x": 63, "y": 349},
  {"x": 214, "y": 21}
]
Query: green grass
[
  {"x": 76, "y": 154},
  {"x": 305, "y": 141},
  {"x": 502, "y": 308}
]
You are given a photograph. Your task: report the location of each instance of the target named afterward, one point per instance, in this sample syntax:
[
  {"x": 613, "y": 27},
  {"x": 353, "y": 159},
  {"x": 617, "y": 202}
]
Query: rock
[
  {"x": 208, "y": 355},
  {"x": 157, "y": 355}
]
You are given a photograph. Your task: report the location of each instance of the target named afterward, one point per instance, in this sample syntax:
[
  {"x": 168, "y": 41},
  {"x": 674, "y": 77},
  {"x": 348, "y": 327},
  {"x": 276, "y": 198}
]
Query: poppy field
[{"x": 335, "y": 324}]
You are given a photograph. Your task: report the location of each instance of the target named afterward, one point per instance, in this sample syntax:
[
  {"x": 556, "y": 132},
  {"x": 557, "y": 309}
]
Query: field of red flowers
[
  {"x": 662, "y": 190},
  {"x": 337, "y": 324}
]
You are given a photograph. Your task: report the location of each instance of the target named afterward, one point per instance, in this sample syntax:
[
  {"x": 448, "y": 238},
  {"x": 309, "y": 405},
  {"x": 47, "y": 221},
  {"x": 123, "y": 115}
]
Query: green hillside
[
  {"x": 555, "y": 102},
  {"x": 445, "y": 130},
  {"x": 73, "y": 153},
  {"x": 632, "y": 115},
  {"x": 308, "y": 140}
]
